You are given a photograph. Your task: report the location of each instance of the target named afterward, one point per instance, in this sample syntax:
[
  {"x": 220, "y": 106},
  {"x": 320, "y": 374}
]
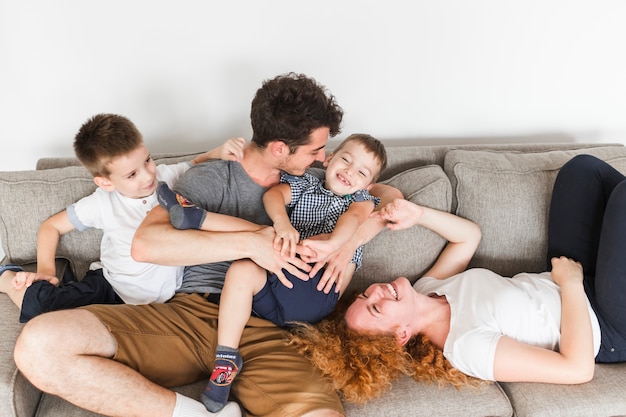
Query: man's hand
[
  {"x": 25, "y": 279},
  {"x": 271, "y": 260}
]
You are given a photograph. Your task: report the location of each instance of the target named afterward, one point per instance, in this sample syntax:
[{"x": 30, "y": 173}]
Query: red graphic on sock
[
  {"x": 224, "y": 374},
  {"x": 184, "y": 201}
]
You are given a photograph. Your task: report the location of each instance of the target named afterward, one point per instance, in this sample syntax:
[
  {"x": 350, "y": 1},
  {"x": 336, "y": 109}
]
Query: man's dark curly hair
[{"x": 289, "y": 107}]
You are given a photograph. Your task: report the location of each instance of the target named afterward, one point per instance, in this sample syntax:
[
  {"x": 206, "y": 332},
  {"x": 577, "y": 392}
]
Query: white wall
[{"x": 185, "y": 71}]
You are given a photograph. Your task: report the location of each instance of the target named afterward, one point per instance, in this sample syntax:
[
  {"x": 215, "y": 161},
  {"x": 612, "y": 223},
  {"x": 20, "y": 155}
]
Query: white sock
[{"x": 188, "y": 407}]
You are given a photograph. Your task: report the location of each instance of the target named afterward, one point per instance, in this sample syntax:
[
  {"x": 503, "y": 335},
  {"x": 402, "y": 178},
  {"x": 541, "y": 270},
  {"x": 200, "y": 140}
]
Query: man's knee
[{"x": 50, "y": 339}]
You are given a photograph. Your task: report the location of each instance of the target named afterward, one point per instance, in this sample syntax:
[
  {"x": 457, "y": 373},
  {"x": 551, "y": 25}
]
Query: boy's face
[
  {"x": 132, "y": 175},
  {"x": 351, "y": 169}
]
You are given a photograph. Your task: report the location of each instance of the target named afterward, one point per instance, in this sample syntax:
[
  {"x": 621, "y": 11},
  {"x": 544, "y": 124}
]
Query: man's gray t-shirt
[{"x": 221, "y": 187}]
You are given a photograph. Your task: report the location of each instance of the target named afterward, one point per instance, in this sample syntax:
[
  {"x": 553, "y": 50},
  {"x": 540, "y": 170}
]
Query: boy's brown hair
[
  {"x": 372, "y": 145},
  {"x": 103, "y": 138}
]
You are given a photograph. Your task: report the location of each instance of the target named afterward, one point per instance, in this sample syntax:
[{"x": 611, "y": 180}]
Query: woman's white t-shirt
[{"x": 485, "y": 306}]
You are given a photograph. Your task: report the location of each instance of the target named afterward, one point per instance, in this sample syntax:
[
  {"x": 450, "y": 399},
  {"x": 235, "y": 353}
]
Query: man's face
[{"x": 305, "y": 155}]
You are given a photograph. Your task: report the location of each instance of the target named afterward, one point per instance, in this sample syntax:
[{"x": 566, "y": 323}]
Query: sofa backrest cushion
[
  {"x": 508, "y": 195},
  {"x": 29, "y": 198}
]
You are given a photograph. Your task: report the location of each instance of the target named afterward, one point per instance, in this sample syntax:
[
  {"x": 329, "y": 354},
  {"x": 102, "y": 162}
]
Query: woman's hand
[
  {"x": 400, "y": 214},
  {"x": 566, "y": 270}
]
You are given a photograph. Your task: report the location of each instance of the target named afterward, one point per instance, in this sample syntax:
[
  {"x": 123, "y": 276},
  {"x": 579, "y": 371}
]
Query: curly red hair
[{"x": 362, "y": 366}]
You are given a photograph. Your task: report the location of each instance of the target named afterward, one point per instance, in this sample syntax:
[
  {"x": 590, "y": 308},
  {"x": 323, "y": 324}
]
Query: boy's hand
[
  {"x": 335, "y": 269},
  {"x": 286, "y": 239},
  {"x": 400, "y": 214},
  {"x": 271, "y": 260},
  {"x": 232, "y": 149},
  {"x": 327, "y": 255},
  {"x": 25, "y": 279},
  {"x": 323, "y": 248}
]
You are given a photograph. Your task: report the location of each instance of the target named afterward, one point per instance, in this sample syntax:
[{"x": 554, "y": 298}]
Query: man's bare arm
[{"x": 157, "y": 241}]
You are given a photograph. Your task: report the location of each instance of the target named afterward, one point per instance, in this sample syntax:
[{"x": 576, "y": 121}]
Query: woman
[{"x": 532, "y": 327}]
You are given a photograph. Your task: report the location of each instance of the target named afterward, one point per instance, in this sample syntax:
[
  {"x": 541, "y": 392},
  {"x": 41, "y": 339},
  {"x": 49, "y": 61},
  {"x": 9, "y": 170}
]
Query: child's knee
[{"x": 247, "y": 273}]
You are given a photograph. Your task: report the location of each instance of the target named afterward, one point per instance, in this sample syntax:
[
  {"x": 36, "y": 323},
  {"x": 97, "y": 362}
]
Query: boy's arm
[
  {"x": 347, "y": 225},
  {"x": 48, "y": 237},
  {"x": 231, "y": 150},
  {"x": 366, "y": 232},
  {"x": 275, "y": 201}
]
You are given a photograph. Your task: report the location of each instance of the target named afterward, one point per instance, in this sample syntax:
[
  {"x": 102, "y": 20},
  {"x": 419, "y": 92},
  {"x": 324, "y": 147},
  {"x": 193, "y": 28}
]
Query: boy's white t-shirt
[
  {"x": 484, "y": 306},
  {"x": 119, "y": 217}
]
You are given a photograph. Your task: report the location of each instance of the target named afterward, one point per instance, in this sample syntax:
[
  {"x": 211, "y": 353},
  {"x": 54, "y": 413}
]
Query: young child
[
  {"x": 112, "y": 149},
  {"x": 337, "y": 205}
]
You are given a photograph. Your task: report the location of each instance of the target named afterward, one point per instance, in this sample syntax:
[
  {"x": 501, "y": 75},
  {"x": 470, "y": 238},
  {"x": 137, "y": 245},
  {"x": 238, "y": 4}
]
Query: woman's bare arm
[{"x": 574, "y": 362}]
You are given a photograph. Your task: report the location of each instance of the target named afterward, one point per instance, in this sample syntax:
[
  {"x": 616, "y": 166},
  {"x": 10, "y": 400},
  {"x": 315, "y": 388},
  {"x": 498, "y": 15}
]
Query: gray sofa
[{"x": 504, "y": 188}]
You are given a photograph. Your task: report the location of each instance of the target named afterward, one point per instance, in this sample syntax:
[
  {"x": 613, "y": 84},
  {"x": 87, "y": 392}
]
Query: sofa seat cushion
[
  {"x": 407, "y": 252},
  {"x": 602, "y": 396},
  {"x": 408, "y": 398},
  {"x": 508, "y": 195},
  {"x": 17, "y": 395}
]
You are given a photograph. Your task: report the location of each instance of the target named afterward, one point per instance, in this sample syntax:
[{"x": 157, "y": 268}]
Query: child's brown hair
[
  {"x": 372, "y": 145},
  {"x": 103, "y": 138}
]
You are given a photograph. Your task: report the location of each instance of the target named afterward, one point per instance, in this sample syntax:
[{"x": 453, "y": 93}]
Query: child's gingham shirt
[{"x": 314, "y": 209}]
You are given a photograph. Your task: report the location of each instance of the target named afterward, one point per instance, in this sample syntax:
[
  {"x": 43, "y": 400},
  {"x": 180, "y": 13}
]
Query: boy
[
  {"x": 112, "y": 149},
  {"x": 337, "y": 205}
]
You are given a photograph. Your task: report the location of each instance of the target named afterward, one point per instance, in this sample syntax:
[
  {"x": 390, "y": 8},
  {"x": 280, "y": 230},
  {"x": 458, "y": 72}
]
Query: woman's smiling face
[{"x": 383, "y": 307}]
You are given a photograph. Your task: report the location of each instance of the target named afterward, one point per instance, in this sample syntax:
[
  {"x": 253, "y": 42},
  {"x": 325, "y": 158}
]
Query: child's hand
[
  {"x": 328, "y": 255},
  {"x": 286, "y": 239},
  {"x": 323, "y": 248},
  {"x": 25, "y": 279},
  {"x": 232, "y": 149},
  {"x": 400, "y": 214}
]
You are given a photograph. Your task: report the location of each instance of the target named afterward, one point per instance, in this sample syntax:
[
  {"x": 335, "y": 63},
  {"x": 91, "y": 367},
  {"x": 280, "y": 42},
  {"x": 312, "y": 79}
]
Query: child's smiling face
[
  {"x": 132, "y": 175},
  {"x": 351, "y": 169}
]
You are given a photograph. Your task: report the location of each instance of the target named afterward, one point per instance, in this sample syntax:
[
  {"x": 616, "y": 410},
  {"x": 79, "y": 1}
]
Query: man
[{"x": 116, "y": 360}]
